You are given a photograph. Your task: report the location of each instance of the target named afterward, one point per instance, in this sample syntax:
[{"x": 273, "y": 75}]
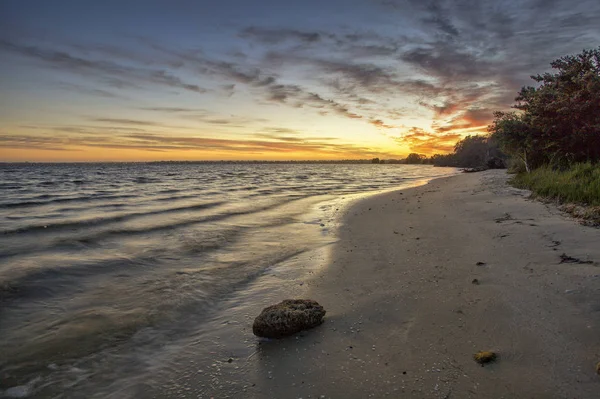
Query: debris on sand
[
  {"x": 474, "y": 170},
  {"x": 480, "y": 263},
  {"x": 503, "y": 218},
  {"x": 475, "y": 281},
  {"x": 287, "y": 318},
  {"x": 598, "y": 368},
  {"x": 484, "y": 357},
  {"x": 564, "y": 258}
]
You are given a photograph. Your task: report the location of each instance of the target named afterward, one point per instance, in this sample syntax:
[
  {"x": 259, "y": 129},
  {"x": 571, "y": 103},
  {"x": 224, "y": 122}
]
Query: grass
[
  {"x": 576, "y": 188},
  {"x": 580, "y": 184}
]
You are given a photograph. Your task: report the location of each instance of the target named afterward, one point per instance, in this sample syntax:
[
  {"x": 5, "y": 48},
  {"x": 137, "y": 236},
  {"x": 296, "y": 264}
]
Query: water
[{"x": 109, "y": 272}]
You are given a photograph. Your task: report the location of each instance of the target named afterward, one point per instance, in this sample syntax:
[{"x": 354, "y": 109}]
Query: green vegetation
[
  {"x": 470, "y": 152},
  {"x": 552, "y": 137},
  {"x": 555, "y": 134},
  {"x": 558, "y": 122},
  {"x": 579, "y": 183}
]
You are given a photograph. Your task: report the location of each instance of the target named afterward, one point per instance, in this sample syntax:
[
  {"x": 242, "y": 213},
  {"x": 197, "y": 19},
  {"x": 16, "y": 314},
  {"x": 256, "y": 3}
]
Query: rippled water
[{"x": 104, "y": 266}]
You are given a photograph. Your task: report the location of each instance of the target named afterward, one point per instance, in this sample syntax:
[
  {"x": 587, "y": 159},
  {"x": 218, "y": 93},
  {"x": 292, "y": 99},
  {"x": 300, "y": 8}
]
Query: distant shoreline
[{"x": 242, "y": 162}]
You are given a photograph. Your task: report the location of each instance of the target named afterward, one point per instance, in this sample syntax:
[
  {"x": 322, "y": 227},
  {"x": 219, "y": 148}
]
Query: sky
[{"x": 269, "y": 80}]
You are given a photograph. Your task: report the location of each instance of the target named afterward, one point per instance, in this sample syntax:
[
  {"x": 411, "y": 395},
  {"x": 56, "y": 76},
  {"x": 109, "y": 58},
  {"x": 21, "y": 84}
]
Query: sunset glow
[{"x": 240, "y": 80}]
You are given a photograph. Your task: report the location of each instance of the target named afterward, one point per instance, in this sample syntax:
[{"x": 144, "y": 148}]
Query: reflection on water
[{"x": 106, "y": 270}]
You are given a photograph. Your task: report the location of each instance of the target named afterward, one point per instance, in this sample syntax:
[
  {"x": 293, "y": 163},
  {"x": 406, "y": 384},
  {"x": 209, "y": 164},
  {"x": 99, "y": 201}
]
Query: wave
[
  {"x": 36, "y": 202},
  {"x": 102, "y": 221},
  {"x": 177, "y": 225}
]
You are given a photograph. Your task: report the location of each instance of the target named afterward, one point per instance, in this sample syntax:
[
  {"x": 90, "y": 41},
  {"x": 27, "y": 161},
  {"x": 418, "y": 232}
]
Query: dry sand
[{"x": 404, "y": 317}]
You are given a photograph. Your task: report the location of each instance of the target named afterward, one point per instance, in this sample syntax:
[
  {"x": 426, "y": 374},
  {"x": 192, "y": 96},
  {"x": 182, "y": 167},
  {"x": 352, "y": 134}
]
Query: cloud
[
  {"x": 120, "y": 121},
  {"x": 267, "y": 86},
  {"x": 451, "y": 61},
  {"x": 74, "y": 87},
  {"x": 423, "y": 142},
  {"x": 275, "y": 35},
  {"x": 170, "y": 109},
  {"x": 157, "y": 142},
  {"x": 33, "y": 142},
  {"x": 118, "y": 75},
  {"x": 380, "y": 124},
  {"x": 205, "y": 116}
]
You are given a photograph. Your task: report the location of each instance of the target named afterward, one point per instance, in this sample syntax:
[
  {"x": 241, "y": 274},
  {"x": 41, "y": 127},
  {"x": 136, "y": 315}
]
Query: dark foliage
[
  {"x": 472, "y": 152},
  {"x": 558, "y": 122}
]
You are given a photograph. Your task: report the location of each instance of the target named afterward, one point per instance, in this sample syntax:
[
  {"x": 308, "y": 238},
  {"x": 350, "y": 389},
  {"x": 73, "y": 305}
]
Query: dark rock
[
  {"x": 475, "y": 281},
  {"x": 484, "y": 357},
  {"x": 480, "y": 263},
  {"x": 287, "y": 318}
]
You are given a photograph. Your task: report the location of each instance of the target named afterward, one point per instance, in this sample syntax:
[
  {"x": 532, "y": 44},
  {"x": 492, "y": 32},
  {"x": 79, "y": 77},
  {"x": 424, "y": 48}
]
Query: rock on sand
[{"x": 287, "y": 318}]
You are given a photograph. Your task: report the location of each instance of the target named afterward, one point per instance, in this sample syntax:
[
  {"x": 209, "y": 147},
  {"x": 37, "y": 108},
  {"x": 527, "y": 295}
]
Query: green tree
[
  {"x": 515, "y": 135},
  {"x": 563, "y": 112},
  {"x": 472, "y": 151},
  {"x": 414, "y": 158}
]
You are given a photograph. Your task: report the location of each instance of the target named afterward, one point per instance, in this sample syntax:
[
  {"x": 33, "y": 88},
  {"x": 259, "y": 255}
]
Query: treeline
[
  {"x": 470, "y": 152},
  {"x": 556, "y": 124}
]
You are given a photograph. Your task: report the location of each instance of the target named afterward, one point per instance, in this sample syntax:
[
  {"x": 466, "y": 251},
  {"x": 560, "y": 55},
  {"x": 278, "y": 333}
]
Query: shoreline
[{"x": 404, "y": 318}]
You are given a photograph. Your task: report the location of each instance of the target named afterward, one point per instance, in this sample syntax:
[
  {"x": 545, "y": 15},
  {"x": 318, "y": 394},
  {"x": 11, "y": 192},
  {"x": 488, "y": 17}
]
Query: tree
[
  {"x": 563, "y": 113},
  {"x": 471, "y": 151},
  {"x": 515, "y": 136},
  {"x": 414, "y": 158}
]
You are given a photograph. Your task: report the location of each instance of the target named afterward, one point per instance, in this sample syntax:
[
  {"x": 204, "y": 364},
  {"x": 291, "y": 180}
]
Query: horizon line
[{"x": 362, "y": 160}]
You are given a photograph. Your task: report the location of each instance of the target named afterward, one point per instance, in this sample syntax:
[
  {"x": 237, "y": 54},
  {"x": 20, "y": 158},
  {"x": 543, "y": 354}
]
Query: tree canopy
[{"x": 557, "y": 122}]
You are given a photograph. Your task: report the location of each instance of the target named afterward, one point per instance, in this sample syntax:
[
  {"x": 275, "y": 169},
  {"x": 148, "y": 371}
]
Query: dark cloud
[
  {"x": 379, "y": 123},
  {"x": 170, "y": 109},
  {"x": 316, "y": 101},
  {"x": 438, "y": 17},
  {"x": 119, "y": 121},
  {"x": 119, "y": 74},
  {"x": 73, "y": 87},
  {"x": 274, "y": 36}
]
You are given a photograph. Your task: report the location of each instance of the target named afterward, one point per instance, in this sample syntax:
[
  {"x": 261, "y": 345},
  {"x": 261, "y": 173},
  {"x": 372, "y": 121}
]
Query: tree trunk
[{"x": 525, "y": 162}]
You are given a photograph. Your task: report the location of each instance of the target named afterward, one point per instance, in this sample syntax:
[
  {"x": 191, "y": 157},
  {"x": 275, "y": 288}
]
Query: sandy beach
[{"x": 421, "y": 279}]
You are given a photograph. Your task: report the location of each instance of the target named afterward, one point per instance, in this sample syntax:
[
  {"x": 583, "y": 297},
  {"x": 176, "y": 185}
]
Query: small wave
[
  {"x": 107, "y": 220},
  {"x": 169, "y": 191},
  {"x": 145, "y": 180},
  {"x": 87, "y": 198},
  {"x": 10, "y": 186}
]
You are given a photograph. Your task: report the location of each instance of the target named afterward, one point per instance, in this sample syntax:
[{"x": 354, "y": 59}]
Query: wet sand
[{"x": 404, "y": 315}]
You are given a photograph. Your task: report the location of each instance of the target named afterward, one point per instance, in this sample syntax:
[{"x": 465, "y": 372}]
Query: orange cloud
[
  {"x": 470, "y": 120},
  {"x": 148, "y": 146},
  {"x": 423, "y": 142}
]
